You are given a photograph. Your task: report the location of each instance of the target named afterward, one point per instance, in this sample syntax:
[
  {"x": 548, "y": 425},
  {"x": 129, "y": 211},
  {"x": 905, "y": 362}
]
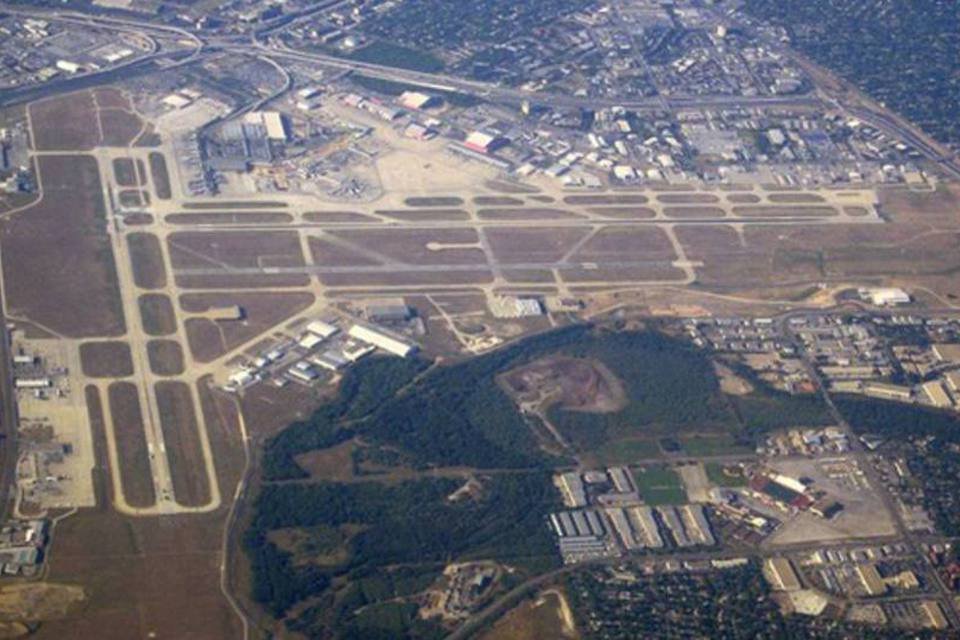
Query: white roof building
[{"x": 381, "y": 339}]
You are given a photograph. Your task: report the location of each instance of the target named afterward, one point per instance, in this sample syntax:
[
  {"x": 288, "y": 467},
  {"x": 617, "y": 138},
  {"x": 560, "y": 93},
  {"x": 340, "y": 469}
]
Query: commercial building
[
  {"x": 417, "y": 100},
  {"x": 936, "y": 395}
]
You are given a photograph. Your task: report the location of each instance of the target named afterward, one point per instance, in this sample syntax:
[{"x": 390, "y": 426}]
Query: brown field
[
  {"x": 132, "y": 452},
  {"x": 575, "y": 384},
  {"x": 535, "y": 619},
  {"x": 542, "y": 199},
  {"x": 149, "y": 138},
  {"x": 653, "y": 271},
  {"x": 209, "y": 339},
  {"x": 694, "y": 212},
  {"x": 166, "y": 357},
  {"x": 725, "y": 259},
  {"x": 410, "y": 279},
  {"x": 503, "y": 186},
  {"x": 157, "y": 315},
  {"x": 255, "y": 217},
  {"x": 327, "y": 252},
  {"x": 213, "y": 249},
  {"x": 147, "y": 576},
  {"x": 125, "y": 172},
  {"x": 796, "y": 198},
  {"x": 58, "y": 263},
  {"x": 434, "y": 201},
  {"x": 687, "y": 198},
  {"x": 623, "y": 243},
  {"x": 532, "y": 245},
  {"x": 227, "y": 281},
  {"x": 146, "y": 257},
  {"x": 106, "y": 359},
  {"x": 765, "y": 212},
  {"x": 528, "y": 275},
  {"x": 182, "y": 439},
  {"x": 337, "y": 216},
  {"x": 130, "y": 198},
  {"x": 65, "y": 123},
  {"x": 235, "y": 204},
  {"x": 424, "y": 215},
  {"x": 159, "y": 175},
  {"x": 120, "y": 127},
  {"x": 498, "y": 201},
  {"x": 743, "y": 198},
  {"x": 111, "y": 98},
  {"x": 416, "y": 246},
  {"x": 607, "y": 199},
  {"x": 138, "y": 219},
  {"x": 533, "y": 213},
  {"x": 623, "y": 213}
]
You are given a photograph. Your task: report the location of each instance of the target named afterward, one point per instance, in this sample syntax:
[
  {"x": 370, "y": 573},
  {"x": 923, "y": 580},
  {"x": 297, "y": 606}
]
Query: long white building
[{"x": 381, "y": 339}]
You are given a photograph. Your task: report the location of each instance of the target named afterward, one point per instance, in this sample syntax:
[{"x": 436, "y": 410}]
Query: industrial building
[{"x": 383, "y": 339}]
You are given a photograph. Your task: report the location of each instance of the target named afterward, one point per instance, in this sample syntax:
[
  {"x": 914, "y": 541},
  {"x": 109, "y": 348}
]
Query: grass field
[
  {"x": 132, "y": 451},
  {"x": 106, "y": 359},
  {"x": 147, "y": 261},
  {"x": 626, "y": 451},
  {"x": 713, "y": 445},
  {"x": 182, "y": 438},
  {"x": 160, "y": 175},
  {"x": 660, "y": 485},
  {"x": 156, "y": 314},
  {"x": 61, "y": 242},
  {"x": 166, "y": 357}
]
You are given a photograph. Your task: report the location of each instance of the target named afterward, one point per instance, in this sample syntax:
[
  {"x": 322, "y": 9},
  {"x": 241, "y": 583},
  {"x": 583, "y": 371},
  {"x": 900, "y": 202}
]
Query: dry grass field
[
  {"x": 146, "y": 259},
  {"x": 128, "y": 429},
  {"x": 157, "y": 314},
  {"x": 166, "y": 357},
  {"x": 182, "y": 440},
  {"x": 58, "y": 265},
  {"x": 106, "y": 359}
]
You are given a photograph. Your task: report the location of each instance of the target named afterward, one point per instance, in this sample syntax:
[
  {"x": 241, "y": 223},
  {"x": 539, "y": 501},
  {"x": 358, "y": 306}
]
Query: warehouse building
[{"x": 383, "y": 339}]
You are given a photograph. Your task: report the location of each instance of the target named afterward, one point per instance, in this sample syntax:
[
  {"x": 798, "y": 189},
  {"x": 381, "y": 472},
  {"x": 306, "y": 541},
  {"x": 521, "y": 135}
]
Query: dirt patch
[
  {"x": 65, "y": 123},
  {"x": 182, "y": 440},
  {"x": 159, "y": 175},
  {"x": 334, "y": 464},
  {"x": 573, "y": 383},
  {"x": 166, "y": 357},
  {"x": 38, "y": 601},
  {"x": 132, "y": 452},
  {"x": 434, "y": 201},
  {"x": 106, "y": 359},
  {"x": 125, "y": 172},
  {"x": 547, "y": 616},
  {"x": 157, "y": 315},
  {"x": 120, "y": 127},
  {"x": 253, "y": 217},
  {"x": 210, "y": 339},
  {"x": 146, "y": 258},
  {"x": 730, "y": 382},
  {"x": 59, "y": 266}
]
